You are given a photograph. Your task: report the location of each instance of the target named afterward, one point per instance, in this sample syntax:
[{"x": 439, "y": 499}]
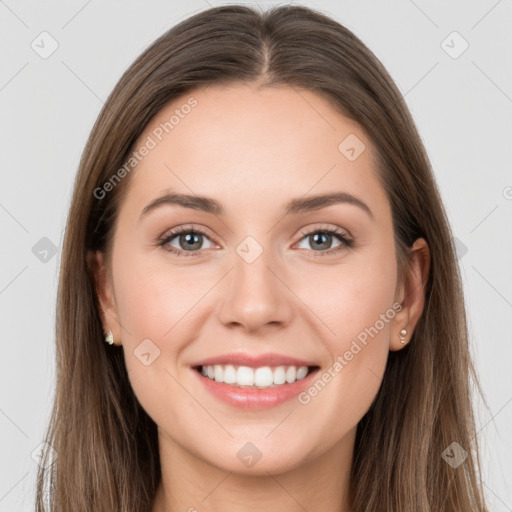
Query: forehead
[{"x": 245, "y": 145}]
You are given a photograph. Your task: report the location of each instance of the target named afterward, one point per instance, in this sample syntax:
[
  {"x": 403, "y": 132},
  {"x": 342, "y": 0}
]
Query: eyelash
[{"x": 345, "y": 241}]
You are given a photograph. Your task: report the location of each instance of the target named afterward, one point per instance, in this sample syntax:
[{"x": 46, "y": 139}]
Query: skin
[{"x": 253, "y": 151}]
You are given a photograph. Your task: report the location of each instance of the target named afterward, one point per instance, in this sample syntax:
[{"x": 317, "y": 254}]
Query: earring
[
  {"x": 403, "y": 332},
  {"x": 109, "y": 337}
]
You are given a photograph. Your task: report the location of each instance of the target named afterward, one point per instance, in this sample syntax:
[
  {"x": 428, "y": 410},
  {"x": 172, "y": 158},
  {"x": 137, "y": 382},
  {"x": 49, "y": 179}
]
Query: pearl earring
[
  {"x": 403, "y": 332},
  {"x": 109, "y": 337}
]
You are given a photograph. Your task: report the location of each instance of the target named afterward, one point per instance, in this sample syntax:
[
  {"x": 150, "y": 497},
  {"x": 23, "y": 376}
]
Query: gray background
[{"x": 462, "y": 107}]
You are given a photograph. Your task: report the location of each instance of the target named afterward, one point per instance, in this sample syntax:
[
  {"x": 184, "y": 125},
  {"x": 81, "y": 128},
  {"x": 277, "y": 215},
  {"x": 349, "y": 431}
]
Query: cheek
[
  {"x": 358, "y": 308},
  {"x": 154, "y": 297},
  {"x": 155, "y": 305},
  {"x": 359, "y": 313},
  {"x": 350, "y": 297},
  {"x": 354, "y": 300}
]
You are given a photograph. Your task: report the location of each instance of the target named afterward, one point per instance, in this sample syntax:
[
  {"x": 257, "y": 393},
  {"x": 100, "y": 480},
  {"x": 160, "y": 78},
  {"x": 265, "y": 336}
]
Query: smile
[{"x": 255, "y": 378}]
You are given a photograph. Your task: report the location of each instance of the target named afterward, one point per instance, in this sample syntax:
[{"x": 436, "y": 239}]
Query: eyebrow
[{"x": 295, "y": 206}]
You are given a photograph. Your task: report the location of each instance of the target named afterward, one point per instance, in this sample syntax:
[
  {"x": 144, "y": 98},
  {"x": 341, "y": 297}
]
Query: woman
[{"x": 310, "y": 351}]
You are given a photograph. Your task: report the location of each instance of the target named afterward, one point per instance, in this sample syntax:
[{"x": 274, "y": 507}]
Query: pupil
[
  {"x": 188, "y": 240},
  {"x": 324, "y": 244}
]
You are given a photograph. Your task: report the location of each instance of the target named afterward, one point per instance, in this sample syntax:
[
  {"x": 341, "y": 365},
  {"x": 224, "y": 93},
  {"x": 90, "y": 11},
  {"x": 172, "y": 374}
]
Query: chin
[{"x": 257, "y": 457}]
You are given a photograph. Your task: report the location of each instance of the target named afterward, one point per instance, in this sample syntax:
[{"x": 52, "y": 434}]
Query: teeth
[
  {"x": 229, "y": 374},
  {"x": 244, "y": 376},
  {"x": 262, "y": 377},
  {"x": 291, "y": 374}
]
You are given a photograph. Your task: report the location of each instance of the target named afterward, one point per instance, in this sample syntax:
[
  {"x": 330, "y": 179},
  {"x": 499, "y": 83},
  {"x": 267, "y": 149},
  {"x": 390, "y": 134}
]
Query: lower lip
[{"x": 254, "y": 398}]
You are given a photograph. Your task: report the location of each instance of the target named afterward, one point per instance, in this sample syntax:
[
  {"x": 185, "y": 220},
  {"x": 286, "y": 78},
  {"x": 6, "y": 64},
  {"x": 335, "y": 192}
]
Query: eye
[
  {"x": 189, "y": 241},
  {"x": 322, "y": 239}
]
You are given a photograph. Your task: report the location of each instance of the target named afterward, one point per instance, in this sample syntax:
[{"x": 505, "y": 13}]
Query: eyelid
[
  {"x": 327, "y": 227},
  {"x": 186, "y": 228}
]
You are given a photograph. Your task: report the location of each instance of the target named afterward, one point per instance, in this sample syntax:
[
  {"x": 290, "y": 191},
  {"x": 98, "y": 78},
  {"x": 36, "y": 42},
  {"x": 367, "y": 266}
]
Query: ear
[
  {"x": 105, "y": 294},
  {"x": 411, "y": 294}
]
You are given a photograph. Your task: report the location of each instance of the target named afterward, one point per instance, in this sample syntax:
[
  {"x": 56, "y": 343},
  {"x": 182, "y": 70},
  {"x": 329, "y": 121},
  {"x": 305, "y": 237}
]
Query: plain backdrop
[{"x": 457, "y": 85}]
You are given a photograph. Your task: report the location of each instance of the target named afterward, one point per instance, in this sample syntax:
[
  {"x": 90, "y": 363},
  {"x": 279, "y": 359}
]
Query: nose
[{"x": 255, "y": 296}]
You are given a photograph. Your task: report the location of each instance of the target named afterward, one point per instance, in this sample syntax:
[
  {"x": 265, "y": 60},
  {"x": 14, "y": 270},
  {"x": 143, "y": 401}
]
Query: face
[{"x": 254, "y": 286}]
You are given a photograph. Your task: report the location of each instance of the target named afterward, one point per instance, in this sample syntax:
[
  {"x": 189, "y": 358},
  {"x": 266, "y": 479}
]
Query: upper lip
[{"x": 254, "y": 361}]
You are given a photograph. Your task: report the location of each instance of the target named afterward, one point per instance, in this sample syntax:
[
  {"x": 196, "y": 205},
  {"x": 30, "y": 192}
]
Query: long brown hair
[{"x": 102, "y": 452}]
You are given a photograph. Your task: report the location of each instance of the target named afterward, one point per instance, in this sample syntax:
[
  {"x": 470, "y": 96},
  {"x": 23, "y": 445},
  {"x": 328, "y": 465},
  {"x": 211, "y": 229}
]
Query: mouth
[
  {"x": 262, "y": 377},
  {"x": 254, "y": 381}
]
